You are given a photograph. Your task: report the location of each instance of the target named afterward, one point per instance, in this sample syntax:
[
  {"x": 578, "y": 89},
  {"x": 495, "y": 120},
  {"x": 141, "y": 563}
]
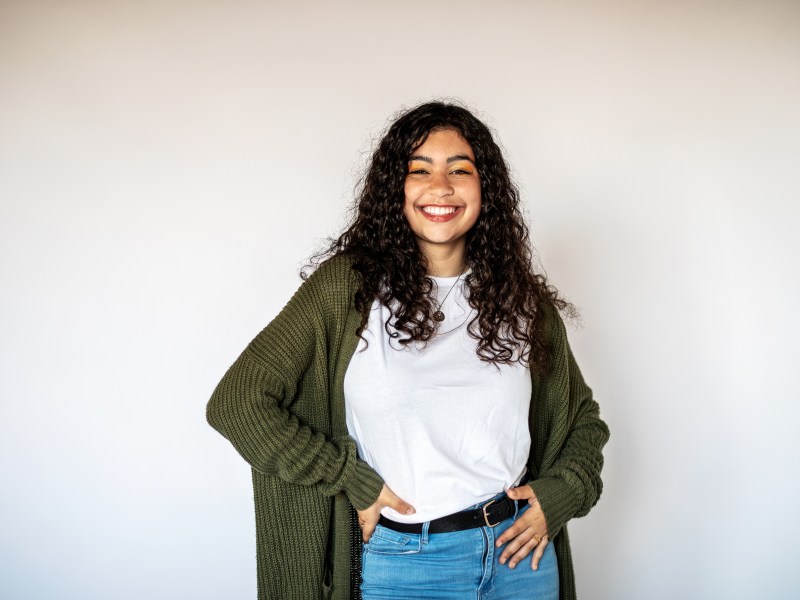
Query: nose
[{"x": 440, "y": 185}]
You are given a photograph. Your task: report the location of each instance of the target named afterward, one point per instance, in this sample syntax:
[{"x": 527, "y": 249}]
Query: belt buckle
[{"x": 486, "y": 516}]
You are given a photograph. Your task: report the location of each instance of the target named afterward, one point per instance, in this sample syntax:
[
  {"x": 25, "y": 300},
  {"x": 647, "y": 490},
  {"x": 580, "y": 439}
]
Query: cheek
[
  {"x": 408, "y": 203},
  {"x": 476, "y": 198},
  {"x": 477, "y": 216},
  {"x": 476, "y": 207},
  {"x": 407, "y": 215}
]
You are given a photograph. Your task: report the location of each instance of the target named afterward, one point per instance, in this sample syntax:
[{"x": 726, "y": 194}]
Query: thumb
[
  {"x": 394, "y": 501},
  {"x": 522, "y": 492},
  {"x": 368, "y": 528}
]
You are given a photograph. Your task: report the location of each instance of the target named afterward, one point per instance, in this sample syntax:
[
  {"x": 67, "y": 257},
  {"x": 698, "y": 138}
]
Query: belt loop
[{"x": 424, "y": 534}]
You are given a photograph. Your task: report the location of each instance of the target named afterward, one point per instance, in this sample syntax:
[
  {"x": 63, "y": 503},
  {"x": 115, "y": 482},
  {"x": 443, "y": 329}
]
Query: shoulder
[
  {"x": 317, "y": 308},
  {"x": 334, "y": 276},
  {"x": 328, "y": 292},
  {"x": 552, "y": 322},
  {"x": 553, "y": 332},
  {"x": 339, "y": 267}
]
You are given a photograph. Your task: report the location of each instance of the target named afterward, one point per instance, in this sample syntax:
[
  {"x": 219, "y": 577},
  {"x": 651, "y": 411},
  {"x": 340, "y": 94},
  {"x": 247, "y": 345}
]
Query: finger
[
  {"x": 394, "y": 501},
  {"x": 367, "y": 528},
  {"x": 512, "y": 532},
  {"x": 523, "y": 551},
  {"x": 515, "y": 544},
  {"x": 537, "y": 555},
  {"x": 522, "y": 492}
]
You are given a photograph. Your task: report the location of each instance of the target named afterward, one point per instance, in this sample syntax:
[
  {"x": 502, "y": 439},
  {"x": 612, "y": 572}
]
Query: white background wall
[{"x": 166, "y": 167}]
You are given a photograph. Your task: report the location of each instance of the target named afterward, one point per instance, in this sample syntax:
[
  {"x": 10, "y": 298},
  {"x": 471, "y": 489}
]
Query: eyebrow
[{"x": 451, "y": 159}]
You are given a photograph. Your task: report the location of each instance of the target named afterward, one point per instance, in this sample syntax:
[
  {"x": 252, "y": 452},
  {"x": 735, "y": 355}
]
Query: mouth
[
  {"x": 439, "y": 210},
  {"x": 439, "y": 213}
]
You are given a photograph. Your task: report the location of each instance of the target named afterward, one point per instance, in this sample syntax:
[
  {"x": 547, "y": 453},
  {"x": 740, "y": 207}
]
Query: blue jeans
[{"x": 460, "y": 565}]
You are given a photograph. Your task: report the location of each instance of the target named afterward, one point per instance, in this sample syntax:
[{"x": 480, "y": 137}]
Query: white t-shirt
[{"x": 444, "y": 429}]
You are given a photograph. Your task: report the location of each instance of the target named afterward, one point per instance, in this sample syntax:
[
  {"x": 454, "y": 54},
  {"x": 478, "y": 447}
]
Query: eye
[
  {"x": 461, "y": 172},
  {"x": 417, "y": 171}
]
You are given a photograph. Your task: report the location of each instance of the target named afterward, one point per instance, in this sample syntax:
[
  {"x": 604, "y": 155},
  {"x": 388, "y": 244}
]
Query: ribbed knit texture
[{"x": 281, "y": 405}]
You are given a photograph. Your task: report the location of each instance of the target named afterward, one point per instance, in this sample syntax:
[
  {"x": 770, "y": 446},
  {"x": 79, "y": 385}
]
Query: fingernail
[{"x": 409, "y": 511}]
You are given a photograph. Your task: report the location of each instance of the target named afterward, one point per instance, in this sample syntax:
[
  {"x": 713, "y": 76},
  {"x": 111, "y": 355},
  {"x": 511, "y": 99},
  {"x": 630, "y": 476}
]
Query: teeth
[{"x": 439, "y": 210}]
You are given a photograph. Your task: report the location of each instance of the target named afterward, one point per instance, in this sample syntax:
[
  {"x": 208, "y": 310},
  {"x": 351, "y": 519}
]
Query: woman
[{"x": 414, "y": 417}]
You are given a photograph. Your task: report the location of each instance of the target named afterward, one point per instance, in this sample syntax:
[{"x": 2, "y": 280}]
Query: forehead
[{"x": 443, "y": 141}]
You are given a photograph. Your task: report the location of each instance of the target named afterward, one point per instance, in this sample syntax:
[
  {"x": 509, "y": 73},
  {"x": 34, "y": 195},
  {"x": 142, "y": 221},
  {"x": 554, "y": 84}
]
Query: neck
[
  {"x": 449, "y": 267},
  {"x": 444, "y": 262}
]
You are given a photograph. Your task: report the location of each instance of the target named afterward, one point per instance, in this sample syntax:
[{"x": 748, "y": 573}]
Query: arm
[
  {"x": 569, "y": 484},
  {"x": 251, "y": 405}
]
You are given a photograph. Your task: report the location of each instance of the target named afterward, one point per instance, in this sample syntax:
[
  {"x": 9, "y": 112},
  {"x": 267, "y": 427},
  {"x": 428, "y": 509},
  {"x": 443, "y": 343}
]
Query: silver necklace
[{"x": 438, "y": 315}]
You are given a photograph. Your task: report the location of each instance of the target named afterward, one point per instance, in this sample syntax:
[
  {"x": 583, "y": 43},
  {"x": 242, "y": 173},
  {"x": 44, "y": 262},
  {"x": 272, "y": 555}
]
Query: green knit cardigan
[{"x": 281, "y": 405}]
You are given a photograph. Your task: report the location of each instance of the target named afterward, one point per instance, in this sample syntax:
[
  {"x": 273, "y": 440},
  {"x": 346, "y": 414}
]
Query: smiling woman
[
  {"x": 442, "y": 199},
  {"x": 416, "y": 404}
]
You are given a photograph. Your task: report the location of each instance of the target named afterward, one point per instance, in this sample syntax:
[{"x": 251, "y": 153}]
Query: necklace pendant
[{"x": 438, "y": 316}]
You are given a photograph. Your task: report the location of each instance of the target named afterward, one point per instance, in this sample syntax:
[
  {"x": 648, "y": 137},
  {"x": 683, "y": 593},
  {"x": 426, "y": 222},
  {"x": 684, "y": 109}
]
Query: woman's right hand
[{"x": 368, "y": 518}]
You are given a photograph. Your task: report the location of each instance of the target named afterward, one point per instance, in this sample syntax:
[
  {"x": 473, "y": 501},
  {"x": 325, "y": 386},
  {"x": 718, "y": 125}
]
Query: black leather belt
[{"x": 490, "y": 514}]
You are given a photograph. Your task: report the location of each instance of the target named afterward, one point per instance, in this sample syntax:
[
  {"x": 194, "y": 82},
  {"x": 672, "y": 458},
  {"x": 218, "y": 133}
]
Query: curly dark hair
[{"x": 505, "y": 291}]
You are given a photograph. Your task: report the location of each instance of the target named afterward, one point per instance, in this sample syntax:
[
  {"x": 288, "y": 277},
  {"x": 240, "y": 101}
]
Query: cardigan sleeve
[
  {"x": 569, "y": 484},
  {"x": 251, "y": 405}
]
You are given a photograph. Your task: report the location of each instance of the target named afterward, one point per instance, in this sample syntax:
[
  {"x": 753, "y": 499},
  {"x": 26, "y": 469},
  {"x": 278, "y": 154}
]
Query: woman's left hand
[{"x": 529, "y": 531}]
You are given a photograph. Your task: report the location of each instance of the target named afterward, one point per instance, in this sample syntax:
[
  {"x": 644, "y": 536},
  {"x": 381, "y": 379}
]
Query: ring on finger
[{"x": 537, "y": 538}]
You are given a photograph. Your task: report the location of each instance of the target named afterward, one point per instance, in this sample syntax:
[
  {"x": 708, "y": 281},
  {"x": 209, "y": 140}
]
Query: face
[{"x": 443, "y": 193}]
